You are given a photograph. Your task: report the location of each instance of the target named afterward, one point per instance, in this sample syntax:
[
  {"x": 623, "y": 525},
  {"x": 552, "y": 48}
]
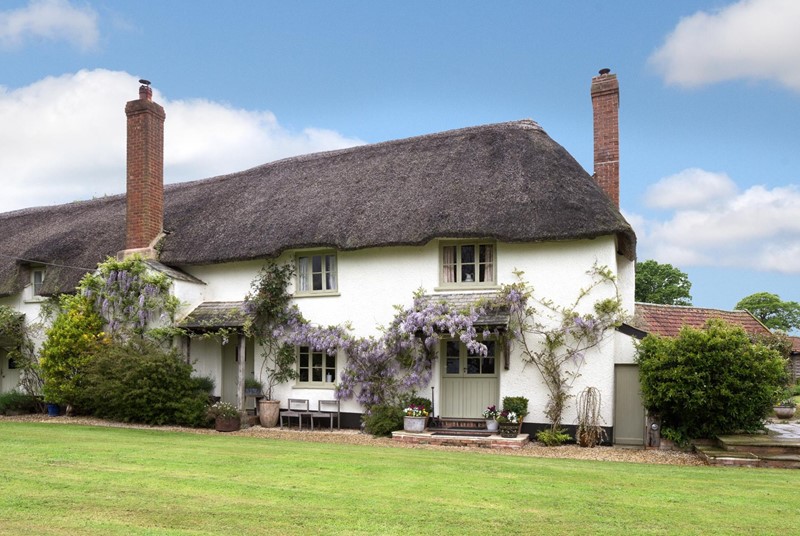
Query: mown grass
[{"x": 58, "y": 479}]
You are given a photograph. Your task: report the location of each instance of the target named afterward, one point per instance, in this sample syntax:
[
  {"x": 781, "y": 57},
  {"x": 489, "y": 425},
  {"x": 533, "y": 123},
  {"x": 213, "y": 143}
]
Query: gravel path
[{"x": 353, "y": 437}]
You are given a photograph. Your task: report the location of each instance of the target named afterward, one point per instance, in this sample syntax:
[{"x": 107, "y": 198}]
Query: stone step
[
  {"x": 760, "y": 445},
  {"x": 717, "y": 456}
]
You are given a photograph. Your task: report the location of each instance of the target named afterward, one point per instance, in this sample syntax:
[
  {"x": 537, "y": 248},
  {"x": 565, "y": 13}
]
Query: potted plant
[
  {"x": 415, "y": 417},
  {"x": 785, "y": 408},
  {"x": 253, "y": 387},
  {"x": 490, "y": 414},
  {"x": 508, "y": 423},
  {"x": 226, "y": 417},
  {"x": 279, "y": 367},
  {"x": 518, "y": 405}
]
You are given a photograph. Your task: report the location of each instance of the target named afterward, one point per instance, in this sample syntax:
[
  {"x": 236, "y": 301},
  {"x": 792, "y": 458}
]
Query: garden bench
[
  {"x": 327, "y": 409},
  {"x": 297, "y": 407}
]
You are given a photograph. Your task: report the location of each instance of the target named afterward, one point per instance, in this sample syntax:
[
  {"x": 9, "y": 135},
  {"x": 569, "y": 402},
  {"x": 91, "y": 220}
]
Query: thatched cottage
[{"x": 381, "y": 220}]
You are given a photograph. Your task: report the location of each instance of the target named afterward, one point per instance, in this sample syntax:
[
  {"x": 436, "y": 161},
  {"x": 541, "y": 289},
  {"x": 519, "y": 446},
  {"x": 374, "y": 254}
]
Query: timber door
[
  {"x": 629, "y": 414},
  {"x": 9, "y": 373},
  {"x": 230, "y": 367},
  {"x": 469, "y": 382}
]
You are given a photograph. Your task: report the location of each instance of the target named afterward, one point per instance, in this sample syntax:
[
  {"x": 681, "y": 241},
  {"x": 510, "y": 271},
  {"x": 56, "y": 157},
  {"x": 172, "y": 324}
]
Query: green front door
[{"x": 470, "y": 382}]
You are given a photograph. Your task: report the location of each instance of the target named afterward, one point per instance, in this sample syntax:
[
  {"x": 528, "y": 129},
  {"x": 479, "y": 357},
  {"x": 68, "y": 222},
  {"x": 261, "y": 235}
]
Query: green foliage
[
  {"x": 137, "y": 381},
  {"x": 517, "y": 404},
  {"x": 662, "y": 283},
  {"x": 74, "y": 338},
  {"x": 709, "y": 382},
  {"x": 17, "y": 401},
  {"x": 553, "y": 438},
  {"x": 205, "y": 384},
  {"x": 382, "y": 420},
  {"x": 772, "y": 311},
  {"x": 128, "y": 295},
  {"x": 417, "y": 401},
  {"x": 15, "y": 339},
  {"x": 269, "y": 303}
]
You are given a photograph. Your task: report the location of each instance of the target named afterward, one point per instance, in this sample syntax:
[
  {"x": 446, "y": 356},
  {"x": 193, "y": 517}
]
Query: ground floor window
[{"x": 315, "y": 368}]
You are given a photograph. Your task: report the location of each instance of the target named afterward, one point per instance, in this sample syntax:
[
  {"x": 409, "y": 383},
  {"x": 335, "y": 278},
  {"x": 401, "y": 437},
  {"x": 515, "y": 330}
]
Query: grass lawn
[{"x": 65, "y": 479}]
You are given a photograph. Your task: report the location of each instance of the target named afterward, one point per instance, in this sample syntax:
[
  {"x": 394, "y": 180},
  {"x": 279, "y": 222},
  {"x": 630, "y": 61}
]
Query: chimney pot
[
  {"x": 145, "y": 92},
  {"x": 602, "y": 71}
]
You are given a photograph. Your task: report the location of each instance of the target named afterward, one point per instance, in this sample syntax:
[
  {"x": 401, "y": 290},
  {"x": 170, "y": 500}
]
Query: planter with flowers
[
  {"x": 226, "y": 417},
  {"x": 415, "y": 418},
  {"x": 785, "y": 409},
  {"x": 508, "y": 423},
  {"x": 490, "y": 414}
]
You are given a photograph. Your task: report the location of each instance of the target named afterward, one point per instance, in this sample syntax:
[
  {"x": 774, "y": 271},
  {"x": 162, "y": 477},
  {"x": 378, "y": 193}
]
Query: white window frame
[
  {"x": 327, "y": 373},
  {"x": 451, "y": 265},
  {"x": 36, "y": 287},
  {"x": 306, "y": 271}
]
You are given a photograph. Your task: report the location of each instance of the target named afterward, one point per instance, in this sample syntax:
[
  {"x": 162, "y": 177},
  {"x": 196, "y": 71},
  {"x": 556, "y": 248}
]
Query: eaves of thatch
[{"x": 507, "y": 181}]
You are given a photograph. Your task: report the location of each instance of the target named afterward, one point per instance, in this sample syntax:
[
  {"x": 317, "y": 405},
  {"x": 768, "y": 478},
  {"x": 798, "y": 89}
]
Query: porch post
[{"x": 241, "y": 357}]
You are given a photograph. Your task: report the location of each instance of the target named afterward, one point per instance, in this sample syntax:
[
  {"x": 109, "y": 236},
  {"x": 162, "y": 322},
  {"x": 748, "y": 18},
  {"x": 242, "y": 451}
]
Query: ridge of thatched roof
[{"x": 507, "y": 181}]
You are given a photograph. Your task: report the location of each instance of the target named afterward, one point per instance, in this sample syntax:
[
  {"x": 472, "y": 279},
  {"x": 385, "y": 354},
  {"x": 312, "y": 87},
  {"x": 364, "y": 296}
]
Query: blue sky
[{"x": 710, "y": 102}]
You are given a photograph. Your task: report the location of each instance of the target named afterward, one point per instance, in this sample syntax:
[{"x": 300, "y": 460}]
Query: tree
[
  {"x": 709, "y": 382},
  {"x": 662, "y": 283},
  {"x": 772, "y": 311}
]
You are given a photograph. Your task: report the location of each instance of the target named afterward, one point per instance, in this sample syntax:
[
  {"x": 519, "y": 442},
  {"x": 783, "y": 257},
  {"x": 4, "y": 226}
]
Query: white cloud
[
  {"x": 68, "y": 142},
  {"x": 755, "y": 39},
  {"x": 53, "y": 20},
  {"x": 758, "y": 228},
  {"x": 690, "y": 188}
]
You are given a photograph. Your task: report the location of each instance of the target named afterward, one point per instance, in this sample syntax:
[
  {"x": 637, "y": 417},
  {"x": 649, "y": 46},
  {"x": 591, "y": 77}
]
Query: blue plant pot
[{"x": 53, "y": 410}]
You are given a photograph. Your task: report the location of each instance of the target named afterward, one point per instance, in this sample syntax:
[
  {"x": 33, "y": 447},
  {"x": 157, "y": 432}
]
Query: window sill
[
  {"x": 318, "y": 294},
  {"x": 466, "y": 286},
  {"x": 329, "y": 386}
]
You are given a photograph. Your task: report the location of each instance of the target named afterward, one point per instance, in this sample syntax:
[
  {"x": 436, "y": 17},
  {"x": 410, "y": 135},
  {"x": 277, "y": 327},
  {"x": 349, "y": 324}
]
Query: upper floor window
[
  {"x": 316, "y": 272},
  {"x": 468, "y": 264},
  {"x": 315, "y": 368},
  {"x": 37, "y": 279}
]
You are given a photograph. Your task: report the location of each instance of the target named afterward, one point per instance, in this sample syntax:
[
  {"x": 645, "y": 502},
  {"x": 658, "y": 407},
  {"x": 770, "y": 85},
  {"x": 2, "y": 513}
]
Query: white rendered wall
[{"x": 372, "y": 281}]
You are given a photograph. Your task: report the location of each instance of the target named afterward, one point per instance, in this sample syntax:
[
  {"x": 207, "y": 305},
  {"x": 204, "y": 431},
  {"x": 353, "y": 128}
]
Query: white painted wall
[{"x": 372, "y": 281}]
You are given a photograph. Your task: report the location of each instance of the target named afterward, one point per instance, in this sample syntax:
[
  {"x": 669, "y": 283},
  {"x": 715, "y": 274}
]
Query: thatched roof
[{"x": 508, "y": 181}]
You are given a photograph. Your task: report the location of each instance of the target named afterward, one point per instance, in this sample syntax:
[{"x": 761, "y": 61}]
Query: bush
[
  {"x": 137, "y": 381},
  {"x": 382, "y": 420},
  {"x": 75, "y": 336},
  {"x": 19, "y": 402},
  {"x": 517, "y": 404},
  {"x": 553, "y": 438},
  {"x": 709, "y": 382}
]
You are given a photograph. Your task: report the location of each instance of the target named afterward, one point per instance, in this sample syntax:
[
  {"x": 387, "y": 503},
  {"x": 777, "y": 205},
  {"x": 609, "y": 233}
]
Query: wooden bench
[{"x": 327, "y": 409}]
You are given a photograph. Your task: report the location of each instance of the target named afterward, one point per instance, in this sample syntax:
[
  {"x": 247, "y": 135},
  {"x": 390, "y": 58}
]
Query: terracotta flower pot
[{"x": 268, "y": 412}]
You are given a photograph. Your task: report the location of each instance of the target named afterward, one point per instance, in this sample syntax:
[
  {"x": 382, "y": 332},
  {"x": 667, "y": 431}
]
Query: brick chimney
[
  {"x": 605, "y": 104},
  {"x": 145, "y": 177}
]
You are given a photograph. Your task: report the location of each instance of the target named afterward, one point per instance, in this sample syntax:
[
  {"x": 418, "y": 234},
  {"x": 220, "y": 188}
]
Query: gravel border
[{"x": 354, "y": 437}]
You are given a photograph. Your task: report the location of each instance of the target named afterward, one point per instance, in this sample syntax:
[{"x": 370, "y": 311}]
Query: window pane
[
  {"x": 467, "y": 254},
  {"x": 302, "y": 273},
  {"x": 330, "y": 361},
  {"x": 304, "y": 375},
  {"x": 330, "y": 268},
  {"x": 453, "y": 348},
  {"x": 449, "y": 264},
  {"x": 317, "y": 282},
  {"x": 452, "y": 365},
  {"x": 316, "y": 263},
  {"x": 490, "y": 346},
  {"x": 487, "y": 365},
  {"x": 473, "y": 365},
  {"x": 467, "y": 273},
  {"x": 316, "y": 375},
  {"x": 316, "y": 359}
]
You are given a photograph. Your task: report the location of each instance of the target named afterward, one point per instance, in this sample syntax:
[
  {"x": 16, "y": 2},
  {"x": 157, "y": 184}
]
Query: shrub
[
  {"x": 382, "y": 420},
  {"x": 553, "y": 438},
  {"x": 137, "y": 381},
  {"x": 75, "y": 336},
  {"x": 709, "y": 382},
  {"x": 517, "y": 404},
  {"x": 16, "y": 401}
]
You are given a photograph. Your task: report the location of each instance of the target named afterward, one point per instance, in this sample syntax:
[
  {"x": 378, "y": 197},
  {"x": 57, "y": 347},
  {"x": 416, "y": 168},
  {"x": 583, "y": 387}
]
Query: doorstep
[{"x": 440, "y": 437}]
